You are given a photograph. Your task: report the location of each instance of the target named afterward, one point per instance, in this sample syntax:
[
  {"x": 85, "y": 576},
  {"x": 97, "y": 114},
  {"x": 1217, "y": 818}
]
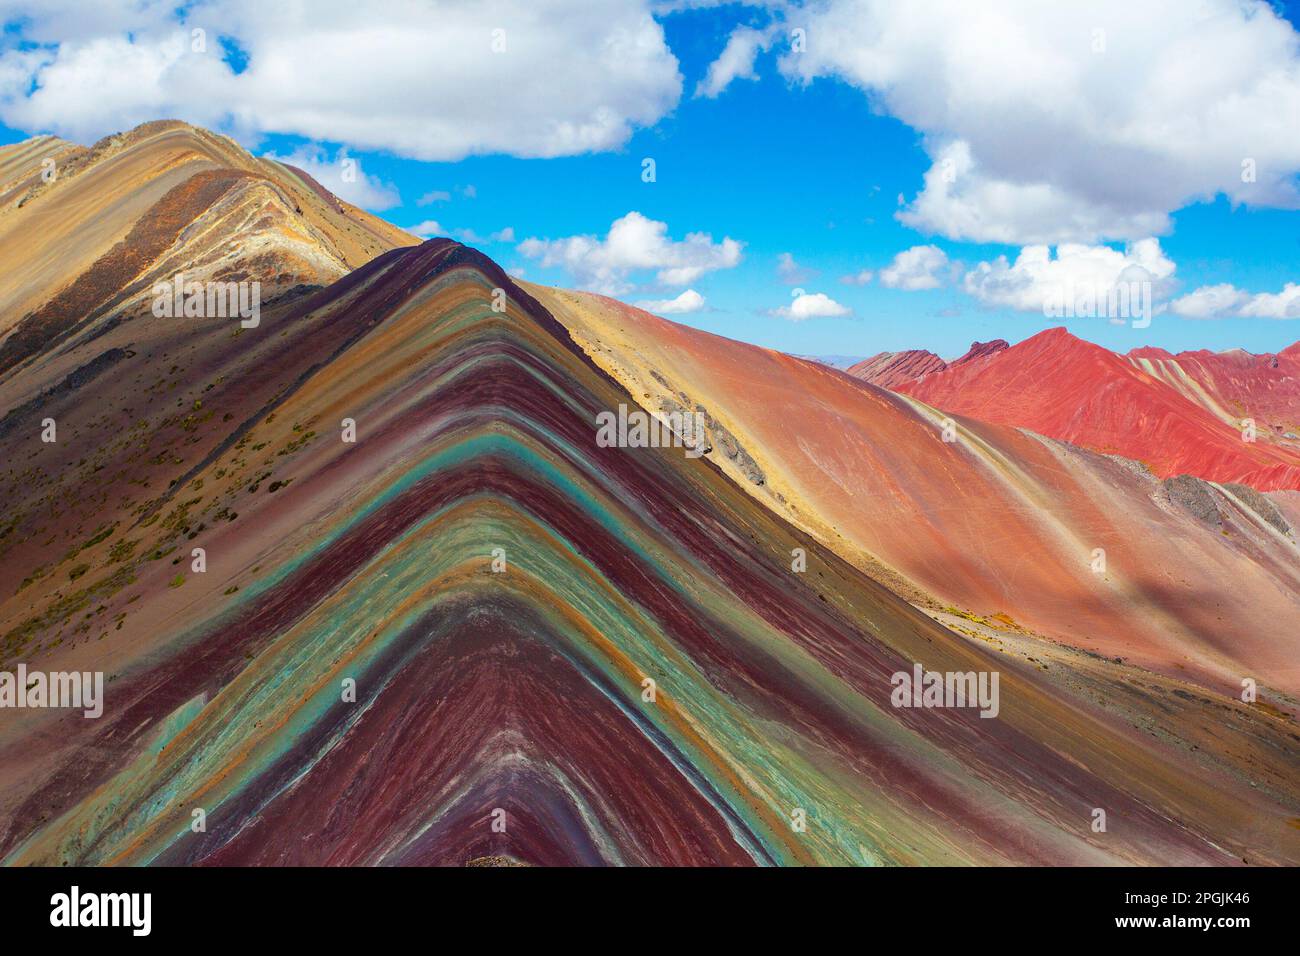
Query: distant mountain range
[{"x": 1225, "y": 416}]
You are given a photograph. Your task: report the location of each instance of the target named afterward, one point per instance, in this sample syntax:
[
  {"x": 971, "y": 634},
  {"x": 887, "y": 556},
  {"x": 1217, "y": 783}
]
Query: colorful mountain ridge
[
  {"x": 1229, "y": 417},
  {"x": 367, "y": 590}
]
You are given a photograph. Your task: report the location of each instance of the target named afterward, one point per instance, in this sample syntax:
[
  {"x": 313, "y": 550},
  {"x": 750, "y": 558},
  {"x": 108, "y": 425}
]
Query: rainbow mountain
[{"x": 367, "y": 590}]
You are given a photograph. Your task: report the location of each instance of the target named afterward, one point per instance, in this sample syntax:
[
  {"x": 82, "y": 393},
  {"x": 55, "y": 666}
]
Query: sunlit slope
[
  {"x": 517, "y": 695},
  {"x": 1229, "y": 417},
  {"x": 1235, "y": 385},
  {"x": 1199, "y": 580},
  {"x": 84, "y": 241}
]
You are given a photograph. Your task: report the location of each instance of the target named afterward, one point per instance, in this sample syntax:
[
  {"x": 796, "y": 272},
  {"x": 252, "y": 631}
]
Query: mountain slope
[
  {"x": 894, "y": 369},
  {"x": 1177, "y": 416},
  {"x": 1234, "y": 385},
  {"x": 88, "y": 245},
  {"x": 366, "y": 588},
  {"x": 890, "y": 369},
  {"x": 517, "y": 696},
  {"x": 1197, "y": 576}
]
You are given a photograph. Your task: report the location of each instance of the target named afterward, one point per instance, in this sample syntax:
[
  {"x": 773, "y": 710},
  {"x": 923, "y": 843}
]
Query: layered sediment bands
[
  {"x": 891, "y": 369},
  {"x": 1234, "y": 385},
  {"x": 25, "y": 167},
  {"x": 516, "y": 695},
  {"x": 896, "y": 369},
  {"x": 115, "y": 271},
  {"x": 84, "y": 233},
  {"x": 997, "y": 522},
  {"x": 1176, "y": 414}
]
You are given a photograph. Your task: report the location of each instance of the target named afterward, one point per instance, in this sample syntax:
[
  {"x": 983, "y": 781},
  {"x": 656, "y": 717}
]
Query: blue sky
[{"x": 784, "y": 163}]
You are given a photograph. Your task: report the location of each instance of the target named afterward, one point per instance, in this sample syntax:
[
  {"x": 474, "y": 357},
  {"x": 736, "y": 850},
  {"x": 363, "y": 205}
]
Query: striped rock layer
[
  {"x": 471, "y": 634},
  {"x": 431, "y": 645},
  {"x": 85, "y": 234},
  {"x": 1225, "y": 417},
  {"x": 996, "y": 530}
]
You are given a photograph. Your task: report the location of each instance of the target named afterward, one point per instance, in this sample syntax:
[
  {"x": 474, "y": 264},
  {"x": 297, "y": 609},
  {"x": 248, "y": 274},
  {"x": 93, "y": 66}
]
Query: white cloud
[
  {"x": 915, "y": 269},
  {"x": 688, "y": 301},
  {"x": 962, "y": 202},
  {"x": 1043, "y": 131},
  {"x": 1038, "y": 282},
  {"x": 634, "y": 243},
  {"x": 1209, "y": 302},
  {"x": 427, "y": 229},
  {"x": 790, "y": 272},
  {"x": 736, "y": 61},
  {"x": 814, "y": 305},
  {"x": 437, "y": 195},
  {"x": 858, "y": 278},
  {"x": 1224, "y": 300},
  {"x": 343, "y": 176},
  {"x": 572, "y": 78},
  {"x": 1274, "y": 305}
]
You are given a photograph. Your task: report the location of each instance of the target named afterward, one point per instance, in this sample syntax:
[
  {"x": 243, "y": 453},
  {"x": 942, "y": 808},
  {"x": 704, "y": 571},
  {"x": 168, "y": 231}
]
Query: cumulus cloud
[
  {"x": 343, "y": 176},
  {"x": 428, "y": 229},
  {"x": 1210, "y": 302},
  {"x": 436, "y": 195},
  {"x": 915, "y": 269},
  {"x": 1068, "y": 122},
  {"x": 736, "y": 61},
  {"x": 1039, "y": 281},
  {"x": 863, "y": 277},
  {"x": 688, "y": 301},
  {"x": 811, "y": 305},
  {"x": 634, "y": 244},
  {"x": 1226, "y": 300},
  {"x": 1274, "y": 305},
  {"x": 341, "y": 72},
  {"x": 963, "y": 202}
]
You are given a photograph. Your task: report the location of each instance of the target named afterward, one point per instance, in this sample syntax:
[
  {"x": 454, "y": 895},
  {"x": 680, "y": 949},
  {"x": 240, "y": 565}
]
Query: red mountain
[
  {"x": 892, "y": 369},
  {"x": 1183, "y": 414},
  {"x": 1233, "y": 385}
]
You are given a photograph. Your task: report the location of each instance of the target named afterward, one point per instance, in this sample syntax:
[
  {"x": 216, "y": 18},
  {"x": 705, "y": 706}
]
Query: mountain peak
[
  {"x": 392, "y": 580},
  {"x": 1149, "y": 352},
  {"x": 1057, "y": 334},
  {"x": 1068, "y": 388},
  {"x": 165, "y": 197},
  {"x": 891, "y": 369},
  {"x": 979, "y": 350}
]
